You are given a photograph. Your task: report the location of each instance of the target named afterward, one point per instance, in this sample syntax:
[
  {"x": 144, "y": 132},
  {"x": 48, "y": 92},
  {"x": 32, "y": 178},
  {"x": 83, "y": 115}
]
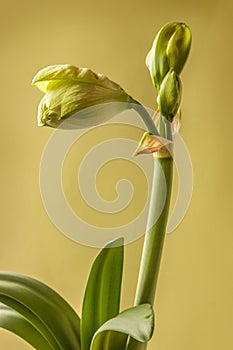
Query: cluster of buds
[{"x": 165, "y": 62}]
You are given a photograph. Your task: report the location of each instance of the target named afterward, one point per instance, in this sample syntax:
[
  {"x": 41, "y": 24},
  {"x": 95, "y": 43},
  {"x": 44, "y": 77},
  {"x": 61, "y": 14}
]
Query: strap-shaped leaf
[
  {"x": 136, "y": 322},
  {"x": 102, "y": 294},
  {"x": 33, "y": 319},
  {"x": 17, "y": 324},
  {"x": 43, "y": 307},
  {"x": 110, "y": 340}
]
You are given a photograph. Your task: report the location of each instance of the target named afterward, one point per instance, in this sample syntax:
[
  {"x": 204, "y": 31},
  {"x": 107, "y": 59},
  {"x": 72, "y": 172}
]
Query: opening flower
[{"x": 69, "y": 89}]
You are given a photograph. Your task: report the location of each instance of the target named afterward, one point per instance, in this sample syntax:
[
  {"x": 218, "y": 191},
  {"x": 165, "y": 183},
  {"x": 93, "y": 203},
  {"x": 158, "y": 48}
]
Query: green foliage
[
  {"x": 49, "y": 314},
  {"x": 136, "y": 322},
  {"x": 16, "y": 323},
  {"x": 102, "y": 295},
  {"x": 43, "y": 318}
]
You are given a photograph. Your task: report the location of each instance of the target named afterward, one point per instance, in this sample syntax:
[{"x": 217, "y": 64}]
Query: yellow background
[{"x": 194, "y": 307}]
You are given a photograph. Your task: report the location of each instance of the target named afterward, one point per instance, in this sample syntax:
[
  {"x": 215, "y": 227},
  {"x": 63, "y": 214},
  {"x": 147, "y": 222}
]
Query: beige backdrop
[{"x": 194, "y": 301}]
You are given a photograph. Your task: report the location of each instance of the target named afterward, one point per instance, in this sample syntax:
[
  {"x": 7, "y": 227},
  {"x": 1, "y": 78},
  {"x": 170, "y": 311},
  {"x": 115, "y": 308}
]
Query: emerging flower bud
[
  {"x": 156, "y": 60},
  {"x": 170, "y": 95},
  {"x": 69, "y": 89},
  {"x": 170, "y": 50},
  {"x": 178, "y": 47}
]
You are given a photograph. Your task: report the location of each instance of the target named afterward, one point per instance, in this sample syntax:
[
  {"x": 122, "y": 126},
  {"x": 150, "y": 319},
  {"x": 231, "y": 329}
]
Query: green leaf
[
  {"x": 43, "y": 308},
  {"x": 17, "y": 324},
  {"x": 136, "y": 322},
  {"x": 110, "y": 340},
  {"x": 102, "y": 294},
  {"x": 33, "y": 319}
]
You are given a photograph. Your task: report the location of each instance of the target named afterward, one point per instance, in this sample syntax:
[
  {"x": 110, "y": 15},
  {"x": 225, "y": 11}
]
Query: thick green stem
[
  {"x": 154, "y": 238},
  {"x": 155, "y": 233},
  {"x": 156, "y": 225}
]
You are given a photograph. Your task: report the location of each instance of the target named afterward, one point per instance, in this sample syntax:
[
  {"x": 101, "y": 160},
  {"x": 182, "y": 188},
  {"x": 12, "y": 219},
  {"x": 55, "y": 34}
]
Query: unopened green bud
[
  {"x": 178, "y": 47},
  {"x": 170, "y": 95},
  {"x": 69, "y": 89},
  {"x": 156, "y": 60},
  {"x": 170, "y": 50}
]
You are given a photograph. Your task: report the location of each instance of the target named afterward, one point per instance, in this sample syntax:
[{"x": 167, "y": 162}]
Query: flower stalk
[
  {"x": 145, "y": 117},
  {"x": 154, "y": 239},
  {"x": 155, "y": 234},
  {"x": 164, "y": 64}
]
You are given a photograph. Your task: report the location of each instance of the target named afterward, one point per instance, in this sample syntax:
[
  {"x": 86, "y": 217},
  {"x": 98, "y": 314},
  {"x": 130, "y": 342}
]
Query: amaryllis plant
[{"x": 37, "y": 313}]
